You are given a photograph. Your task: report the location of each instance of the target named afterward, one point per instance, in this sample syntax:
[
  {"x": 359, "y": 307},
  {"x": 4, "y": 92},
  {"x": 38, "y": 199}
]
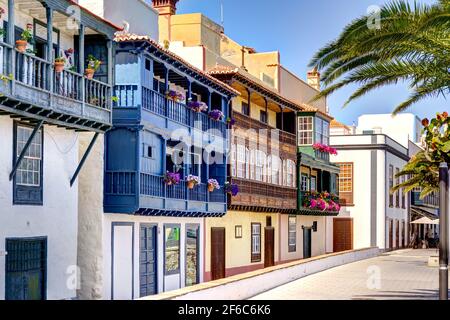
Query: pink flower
[{"x": 313, "y": 204}]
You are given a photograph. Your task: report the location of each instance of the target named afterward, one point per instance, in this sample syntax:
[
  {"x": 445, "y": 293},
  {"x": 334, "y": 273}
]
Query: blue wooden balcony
[
  {"x": 156, "y": 108},
  {"x": 130, "y": 192}
]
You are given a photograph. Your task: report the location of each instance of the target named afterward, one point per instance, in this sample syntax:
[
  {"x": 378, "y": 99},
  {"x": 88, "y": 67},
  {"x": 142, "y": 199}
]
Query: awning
[{"x": 425, "y": 220}]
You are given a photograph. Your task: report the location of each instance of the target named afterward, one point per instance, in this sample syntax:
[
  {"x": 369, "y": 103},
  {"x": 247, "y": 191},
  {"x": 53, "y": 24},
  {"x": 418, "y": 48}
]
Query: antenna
[{"x": 221, "y": 13}]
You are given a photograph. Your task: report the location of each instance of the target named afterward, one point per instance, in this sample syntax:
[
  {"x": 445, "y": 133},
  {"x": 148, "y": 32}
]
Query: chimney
[
  {"x": 166, "y": 9},
  {"x": 314, "y": 78}
]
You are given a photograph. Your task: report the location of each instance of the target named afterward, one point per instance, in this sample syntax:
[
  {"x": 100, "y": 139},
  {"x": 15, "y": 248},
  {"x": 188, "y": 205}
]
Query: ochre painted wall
[{"x": 238, "y": 251}]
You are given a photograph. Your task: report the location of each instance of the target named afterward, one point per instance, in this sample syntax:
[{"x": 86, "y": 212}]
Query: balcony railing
[
  {"x": 431, "y": 200},
  {"x": 127, "y": 96},
  {"x": 124, "y": 183},
  {"x": 84, "y": 100},
  {"x": 322, "y": 155}
]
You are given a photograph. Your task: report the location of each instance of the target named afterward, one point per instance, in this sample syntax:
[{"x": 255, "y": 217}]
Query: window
[
  {"x": 346, "y": 183},
  {"x": 322, "y": 131},
  {"x": 172, "y": 250},
  {"x": 292, "y": 233},
  {"x": 397, "y": 194},
  {"x": 276, "y": 170},
  {"x": 304, "y": 182},
  {"x": 391, "y": 184},
  {"x": 313, "y": 183},
  {"x": 28, "y": 177},
  {"x": 305, "y": 130},
  {"x": 290, "y": 173},
  {"x": 245, "y": 109},
  {"x": 241, "y": 163},
  {"x": 263, "y": 116},
  {"x": 256, "y": 242},
  {"x": 233, "y": 160},
  {"x": 260, "y": 165},
  {"x": 148, "y": 151}
]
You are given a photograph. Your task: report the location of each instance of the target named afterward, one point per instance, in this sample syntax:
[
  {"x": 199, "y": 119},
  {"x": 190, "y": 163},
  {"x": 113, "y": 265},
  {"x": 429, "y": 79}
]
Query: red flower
[
  {"x": 425, "y": 122},
  {"x": 445, "y": 115}
]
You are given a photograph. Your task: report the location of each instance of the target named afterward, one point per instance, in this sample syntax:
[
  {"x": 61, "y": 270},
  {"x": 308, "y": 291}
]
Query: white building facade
[{"x": 370, "y": 214}]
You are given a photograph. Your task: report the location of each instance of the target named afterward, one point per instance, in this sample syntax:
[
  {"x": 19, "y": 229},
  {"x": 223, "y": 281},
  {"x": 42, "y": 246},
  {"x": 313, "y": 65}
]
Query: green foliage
[
  {"x": 422, "y": 171},
  {"x": 27, "y": 36},
  {"x": 93, "y": 62},
  {"x": 412, "y": 45}
]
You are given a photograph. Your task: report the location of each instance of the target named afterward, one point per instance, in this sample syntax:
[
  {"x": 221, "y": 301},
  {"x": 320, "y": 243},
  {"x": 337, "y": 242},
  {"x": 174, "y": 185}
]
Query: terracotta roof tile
[{"x": 131, "y": 37}]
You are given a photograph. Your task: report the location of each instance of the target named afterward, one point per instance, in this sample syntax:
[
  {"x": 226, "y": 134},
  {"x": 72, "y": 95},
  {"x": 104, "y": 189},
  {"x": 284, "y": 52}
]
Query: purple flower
[
  {"x": 172, "y": 178},
  {"x": 232, "y": 188},
  {"x": 216, "y": 115}
]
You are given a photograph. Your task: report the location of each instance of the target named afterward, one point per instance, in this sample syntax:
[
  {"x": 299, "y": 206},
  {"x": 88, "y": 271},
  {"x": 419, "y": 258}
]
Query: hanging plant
[
  {"x": 213, "y": 184},
  {"x": 216, "y": 115},
  {"x": 197, "y": 106},
  {"x": 231, "y": 188},
  {"x": 174, "y": 95},
  {"x": 231, "y": 122},
  {"x": 172, "y": 178},
  {"x": 323, "y": 201},
  {"x": 324, "y": 148},
  {"x": 192, "y": 181}
]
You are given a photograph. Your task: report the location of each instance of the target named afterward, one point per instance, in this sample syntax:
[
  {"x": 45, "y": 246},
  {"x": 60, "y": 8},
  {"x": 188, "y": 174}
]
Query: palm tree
[{"x": 412, "y": 44}]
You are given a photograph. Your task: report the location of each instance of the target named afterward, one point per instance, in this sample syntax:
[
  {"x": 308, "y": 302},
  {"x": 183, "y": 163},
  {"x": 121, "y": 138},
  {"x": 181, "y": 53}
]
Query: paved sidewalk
[{"x": 402, "y": 274}]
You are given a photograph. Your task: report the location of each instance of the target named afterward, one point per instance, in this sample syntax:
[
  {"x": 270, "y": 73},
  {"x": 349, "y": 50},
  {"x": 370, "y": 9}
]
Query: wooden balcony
[
  {"x": 431, "y": 200},
  {"x": 155, "y": 196},
  {"x": 157, "y": 103},
  {"x": 32, "y": 90},
  {"x": 277, "y": 140},
  {"x": 264, "y": 197}
]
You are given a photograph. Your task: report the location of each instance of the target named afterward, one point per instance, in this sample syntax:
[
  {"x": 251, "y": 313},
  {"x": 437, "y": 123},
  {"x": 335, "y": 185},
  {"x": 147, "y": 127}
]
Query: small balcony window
[{"x": 305, "y": 131}]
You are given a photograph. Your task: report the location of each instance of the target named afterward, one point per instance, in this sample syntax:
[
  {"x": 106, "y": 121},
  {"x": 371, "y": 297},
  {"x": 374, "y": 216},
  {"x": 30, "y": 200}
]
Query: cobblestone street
[{"x": 400, "y": 274}]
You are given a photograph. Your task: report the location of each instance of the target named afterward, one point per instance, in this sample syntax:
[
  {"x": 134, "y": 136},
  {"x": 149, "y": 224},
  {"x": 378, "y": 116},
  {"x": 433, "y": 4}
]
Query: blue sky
[{"x": 298, "y": 28}]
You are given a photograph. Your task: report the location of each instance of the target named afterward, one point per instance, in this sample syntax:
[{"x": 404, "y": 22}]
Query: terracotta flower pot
[
  {"x": 89, "y": 73},
  {"x": 190, "y": 184},
  {"x": 21, "y": 45},
  {"x": 210, "y": 188},
  {"x": 59, "y": 66}
]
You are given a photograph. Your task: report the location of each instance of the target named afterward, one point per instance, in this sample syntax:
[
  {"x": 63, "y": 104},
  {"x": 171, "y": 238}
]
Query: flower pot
[
  {"x": 210, "y": 188},
  {"x": 89, "y": 73},
  {"x": 59, "y": 66},
  {"x": 190, "y": 184},
  {"x": 21, "y": 45}
]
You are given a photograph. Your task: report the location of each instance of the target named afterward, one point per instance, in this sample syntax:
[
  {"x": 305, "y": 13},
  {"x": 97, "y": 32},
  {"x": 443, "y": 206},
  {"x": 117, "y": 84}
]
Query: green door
[{"x": 26, "y": 264}]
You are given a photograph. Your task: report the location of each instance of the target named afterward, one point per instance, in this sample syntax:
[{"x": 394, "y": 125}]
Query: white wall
[
  {"x": 143, "y": 19},
  {"x": 109, "y": 219},
  {"x": 56, "y": 219},
  {"x": 402, "y": 127}
]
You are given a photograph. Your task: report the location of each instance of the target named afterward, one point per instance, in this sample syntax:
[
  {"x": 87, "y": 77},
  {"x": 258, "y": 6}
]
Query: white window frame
[
  {"x": 305, "y": 130},
  {"x": 29, "y": 171},
  {"x": 292, "y": 233}
]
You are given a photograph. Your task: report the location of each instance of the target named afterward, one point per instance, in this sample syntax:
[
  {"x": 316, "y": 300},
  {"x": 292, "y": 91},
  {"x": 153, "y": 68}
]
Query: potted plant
[
  {"x": 59, "y": 64},
  {"x": 2, "y": 31},
  {"x": 25, "y": 38},
  {"x": 231, "y": 188},
  {"x": 192, "y": 181},
  {"x": 231, "y": 122},
  {"x": 216, "y": 115},
  {"x": 171, "y": 178},
  {"x": 174, "y": 95},
  {"x": 93, "y": 65},
  {"x": 213, "y": 184},
  {"x": 197, "y": 106}
]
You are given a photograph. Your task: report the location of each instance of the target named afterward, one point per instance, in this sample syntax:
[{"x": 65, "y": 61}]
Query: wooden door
[
  {"x": 342, "y": 234},
  {"x": 269, "y": 247},
  {"x": 26, "y": 269},
  {"x": 397, "y": 235},
  {"x": 307, "y": 242},
  {"x": 391, "y": 234},
  {"x": 217, "y": 253},
  {"x": 147, "y": 260}
]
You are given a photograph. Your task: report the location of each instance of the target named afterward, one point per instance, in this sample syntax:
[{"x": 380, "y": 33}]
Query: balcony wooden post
[
  {"x": 81, "y": 61},
  {"x": 282, "y": 118},
  {"x": 11, "y": 40},
  {"x": 166, "y": 89},
  {"x": 249, "y": 101},
  {"x": 49, "y": 13},
  {"x": 111, "y": 63}
]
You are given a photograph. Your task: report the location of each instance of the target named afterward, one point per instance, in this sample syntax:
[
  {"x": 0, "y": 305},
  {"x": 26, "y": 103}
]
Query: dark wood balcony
[{"x": 264, "y": 197}]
